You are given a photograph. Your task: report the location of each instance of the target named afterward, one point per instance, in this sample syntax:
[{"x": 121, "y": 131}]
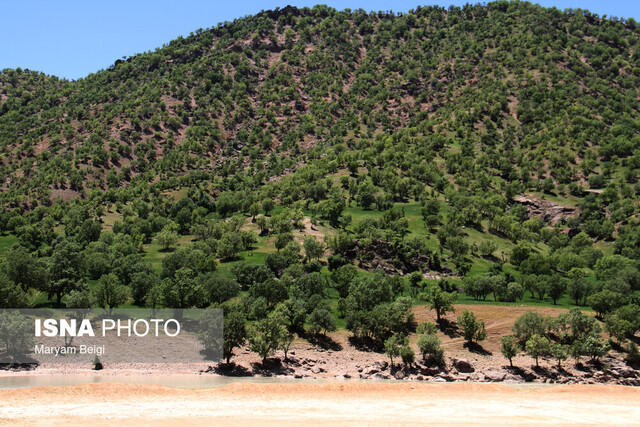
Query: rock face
[
  {"x": 463, "y": 366},
  {"x": 546, "y": 210},
  {"x": 626, "y": 372}
]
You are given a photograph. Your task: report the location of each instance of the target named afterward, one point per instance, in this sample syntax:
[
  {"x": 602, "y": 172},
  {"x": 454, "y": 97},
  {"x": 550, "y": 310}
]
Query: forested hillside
[{"x": 318, "y": 169}]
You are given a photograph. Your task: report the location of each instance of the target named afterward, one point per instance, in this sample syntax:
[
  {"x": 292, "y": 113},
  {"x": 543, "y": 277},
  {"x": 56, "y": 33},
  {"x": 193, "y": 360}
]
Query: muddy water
[
  {"x": 178, "y": 381},
  {"x": 181, "y": 381}
]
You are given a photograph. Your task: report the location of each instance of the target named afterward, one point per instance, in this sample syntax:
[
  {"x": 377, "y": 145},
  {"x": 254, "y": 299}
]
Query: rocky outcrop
[
  {"x": 546, "y": 210},
  {"x": 609, "y": 370}
]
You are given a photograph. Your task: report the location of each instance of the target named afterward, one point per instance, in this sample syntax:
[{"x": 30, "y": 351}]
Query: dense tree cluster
[
  {"x": 308, "y": 168},
  {"x": 574, "y": 333}
]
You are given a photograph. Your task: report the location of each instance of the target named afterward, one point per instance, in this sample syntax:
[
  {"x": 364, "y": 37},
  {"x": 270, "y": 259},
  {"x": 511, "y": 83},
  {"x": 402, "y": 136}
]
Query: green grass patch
[
  {"x": 6, "y": 242},
  {"x": 154, "y": 254}
]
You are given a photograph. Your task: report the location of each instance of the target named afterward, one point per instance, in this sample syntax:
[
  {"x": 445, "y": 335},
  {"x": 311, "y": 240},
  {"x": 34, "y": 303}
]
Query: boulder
[
  {"x": 293, "y": 359},
  {"x": 381, "y": 365},
  {"x": 462, "y": 377},
  {"x": 463, "y": 365},
  {"x": 371, "y": 371},
  {"x": 493, "y": 375},
  {"x": 445, "y": 377},
  {"x": 430, "y": 372},
  {"x": 399, "y": 375}
]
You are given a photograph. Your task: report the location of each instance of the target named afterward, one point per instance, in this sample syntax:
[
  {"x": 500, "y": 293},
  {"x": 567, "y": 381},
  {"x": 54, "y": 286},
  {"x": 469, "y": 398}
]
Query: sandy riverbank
[{"x": 352, "y": 403}]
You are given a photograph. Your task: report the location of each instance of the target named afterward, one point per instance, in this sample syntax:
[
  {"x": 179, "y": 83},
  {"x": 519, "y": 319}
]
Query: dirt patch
[
  {"x": 316, "y": 231},
  {"x": 64, "y": 194}
]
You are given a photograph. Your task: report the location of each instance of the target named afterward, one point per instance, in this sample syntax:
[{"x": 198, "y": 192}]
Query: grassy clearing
[
  {"x": 6, "y": 241},
  {"x": 176, "y": 194},
  {"x": 568, "y": 200},
  {"x": 154, "y": 254},
  {"x": 109, "y": 219},
  {"x": 526, "y": 301},
  {"x": 257, "y": 255}
]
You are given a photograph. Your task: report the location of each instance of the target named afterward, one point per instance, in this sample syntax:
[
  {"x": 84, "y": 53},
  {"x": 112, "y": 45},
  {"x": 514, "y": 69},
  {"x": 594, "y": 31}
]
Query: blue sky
[{"x": 74, "y": 38}]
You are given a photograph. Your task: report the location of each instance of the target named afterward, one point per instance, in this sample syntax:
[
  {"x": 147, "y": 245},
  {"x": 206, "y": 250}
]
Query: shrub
[
  {"x": 633, "y": 354},
  {"x": 429, "y": 345},
  {"x": 16, "y": 333},
  {"x": 529, "y": 324},
  {"x": 393, "y": 344},
  {"x": 472, "y": 328},
  {"x": 321, "y": 320},
  {"x": 537, "y": 346},
  {"x": 427, "y": 328},
  {"x": 559, "y": 352},
  {"x": 407, "y": 355},
  {"x": 510, "y": 348},
  {"x": 266, "y": 335}
]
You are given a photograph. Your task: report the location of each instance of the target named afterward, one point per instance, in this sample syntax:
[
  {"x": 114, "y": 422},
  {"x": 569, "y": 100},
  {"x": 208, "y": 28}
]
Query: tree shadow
[
  {"x": 490, "y": 257},
  {"x": 229, "y": 370},
  {"x": 270, "y": 367},
  {"x": 477, "y": 348},
  {"x": 545, "y": 372},
  {"x": 18, "y": 367},
  {"x": 325, "y": 342},
  {"x": 635, "y": 364},
  {"x": 515, "y": 370},
  {"x": 582, "y": 367},
  {"x": 616, "y": 346},
  {"x": 365, "y": 344},
  {"x": 449, "y": 328}
]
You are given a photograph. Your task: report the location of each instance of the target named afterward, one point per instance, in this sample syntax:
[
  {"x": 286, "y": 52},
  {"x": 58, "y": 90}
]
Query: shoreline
[
  {"x": 340, "y": 359},
  {"x": 610, "y": 371}
]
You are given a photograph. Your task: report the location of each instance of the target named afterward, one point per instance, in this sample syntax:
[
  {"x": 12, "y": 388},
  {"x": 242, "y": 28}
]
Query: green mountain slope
[
  {"x": 529, "y": 93},
  {"x": 497, "y": 142}
]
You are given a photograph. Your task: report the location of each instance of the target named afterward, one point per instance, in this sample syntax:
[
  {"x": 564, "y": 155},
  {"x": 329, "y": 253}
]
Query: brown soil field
[
  {"x": 346, "y": 403},
  {"x": 499, "y": 320}
]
